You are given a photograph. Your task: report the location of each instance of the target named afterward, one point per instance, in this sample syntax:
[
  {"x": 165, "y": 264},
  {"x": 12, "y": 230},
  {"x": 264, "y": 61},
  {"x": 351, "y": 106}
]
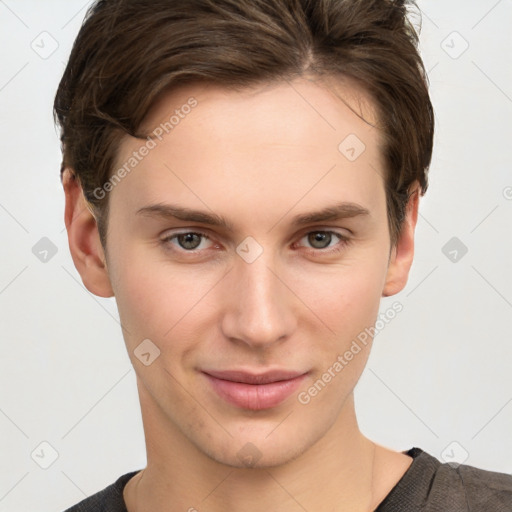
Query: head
[{"x": 290, "y": 141}]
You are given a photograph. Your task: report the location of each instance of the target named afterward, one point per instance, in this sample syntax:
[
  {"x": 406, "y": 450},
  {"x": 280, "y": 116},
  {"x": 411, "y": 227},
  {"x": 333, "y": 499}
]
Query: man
[{"x": 244, "y": 177}]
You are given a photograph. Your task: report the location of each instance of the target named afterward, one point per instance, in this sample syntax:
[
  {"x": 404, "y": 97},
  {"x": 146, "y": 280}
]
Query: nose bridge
[{"x": 260, "y": 311}]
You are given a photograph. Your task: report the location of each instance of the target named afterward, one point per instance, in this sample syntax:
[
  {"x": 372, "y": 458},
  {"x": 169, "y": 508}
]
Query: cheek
[
  {"x": 139, "y": 288},
  {"x": 347, "y": 302},
  {"x": 157, "y": 301},
  {"x": 345, "y": 297}
]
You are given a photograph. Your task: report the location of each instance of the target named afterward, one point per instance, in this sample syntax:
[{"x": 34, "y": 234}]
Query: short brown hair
[{"x": 129, "y": 51}]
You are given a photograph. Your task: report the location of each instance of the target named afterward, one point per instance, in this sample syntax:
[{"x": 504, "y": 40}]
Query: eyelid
[
  {"x": 172, "y": 233},
  {"x": 343, "y": 232}
]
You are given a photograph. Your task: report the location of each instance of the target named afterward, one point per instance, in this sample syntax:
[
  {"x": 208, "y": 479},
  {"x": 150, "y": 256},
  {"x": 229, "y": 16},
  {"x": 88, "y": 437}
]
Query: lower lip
[{"x": 255, "y": 396}]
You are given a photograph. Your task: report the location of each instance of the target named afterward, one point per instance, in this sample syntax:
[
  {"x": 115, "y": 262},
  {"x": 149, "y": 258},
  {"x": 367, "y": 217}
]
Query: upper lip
[{"x": 254, "y": 378}]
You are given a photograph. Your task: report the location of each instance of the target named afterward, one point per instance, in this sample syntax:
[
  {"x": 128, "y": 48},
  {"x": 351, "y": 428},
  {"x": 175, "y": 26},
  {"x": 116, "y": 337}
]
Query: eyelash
[{"x": 344, "y": 241}]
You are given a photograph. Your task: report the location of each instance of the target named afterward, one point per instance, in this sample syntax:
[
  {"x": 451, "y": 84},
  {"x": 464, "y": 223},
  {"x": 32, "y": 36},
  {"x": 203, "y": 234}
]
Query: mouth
[{"x": 253, "y": 391}]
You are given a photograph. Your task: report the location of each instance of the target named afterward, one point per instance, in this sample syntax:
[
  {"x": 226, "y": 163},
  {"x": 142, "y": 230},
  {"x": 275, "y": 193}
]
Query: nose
[{"x": 261, "y": 310}]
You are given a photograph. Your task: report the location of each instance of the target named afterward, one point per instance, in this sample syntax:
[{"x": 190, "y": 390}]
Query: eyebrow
[{"x": 338, "y": 211}]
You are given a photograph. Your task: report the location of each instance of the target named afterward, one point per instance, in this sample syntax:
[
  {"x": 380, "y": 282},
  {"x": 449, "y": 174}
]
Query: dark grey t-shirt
[{"x": 427, "y": 486}]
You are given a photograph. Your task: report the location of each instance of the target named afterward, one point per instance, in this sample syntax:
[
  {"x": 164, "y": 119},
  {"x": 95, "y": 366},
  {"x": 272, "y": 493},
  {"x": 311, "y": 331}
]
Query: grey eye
[
  {"x": 320, "y": 239},
  {"x": 189, "y": 240}
]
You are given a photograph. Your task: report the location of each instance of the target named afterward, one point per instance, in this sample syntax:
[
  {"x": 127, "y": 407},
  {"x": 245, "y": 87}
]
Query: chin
[{"x": 255, "y": 452}]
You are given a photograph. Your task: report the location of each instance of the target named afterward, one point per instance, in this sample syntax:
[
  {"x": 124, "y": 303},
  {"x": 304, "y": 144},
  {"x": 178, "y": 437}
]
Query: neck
[{"x": 336, "y": 473}]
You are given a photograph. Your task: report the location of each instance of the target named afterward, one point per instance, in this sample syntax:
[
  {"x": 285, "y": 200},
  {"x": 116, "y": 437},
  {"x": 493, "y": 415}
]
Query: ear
[
  {"x": 403, "y": 252},
  {"x": 84, "y": 240}
]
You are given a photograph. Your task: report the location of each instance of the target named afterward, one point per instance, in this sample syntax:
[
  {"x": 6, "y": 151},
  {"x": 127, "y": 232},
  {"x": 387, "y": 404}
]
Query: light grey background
[{"x": 440, "y": 373}]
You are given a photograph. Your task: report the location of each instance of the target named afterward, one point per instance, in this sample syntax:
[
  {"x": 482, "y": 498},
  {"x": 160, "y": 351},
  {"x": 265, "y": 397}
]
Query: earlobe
[
  {"x": 403, "y": 252},
  {"x": 84, "y": 240}
]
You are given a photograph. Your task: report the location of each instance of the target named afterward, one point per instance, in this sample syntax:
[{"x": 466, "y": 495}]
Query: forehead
[
  {"x": 277, "y": 139},
  {"x": 327, "y": 104}
]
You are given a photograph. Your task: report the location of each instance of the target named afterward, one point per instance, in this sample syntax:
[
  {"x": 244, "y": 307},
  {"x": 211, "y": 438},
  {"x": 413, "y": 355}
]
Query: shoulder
[
  {"x": 467, "y": 488},
  {"x": 110, "y": 499},
  {"x": 485, "y": 490},
  {"x": 433, "y": 486}
]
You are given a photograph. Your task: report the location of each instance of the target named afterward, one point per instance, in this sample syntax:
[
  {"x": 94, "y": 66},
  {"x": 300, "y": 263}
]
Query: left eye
[{"x": 322, "y": 239}]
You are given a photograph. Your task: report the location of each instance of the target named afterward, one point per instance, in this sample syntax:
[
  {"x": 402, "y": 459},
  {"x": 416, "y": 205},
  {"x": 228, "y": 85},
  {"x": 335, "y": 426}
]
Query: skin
[{"x": 258, "y": 158}]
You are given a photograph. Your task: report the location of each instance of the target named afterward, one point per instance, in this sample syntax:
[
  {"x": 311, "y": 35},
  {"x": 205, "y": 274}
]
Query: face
[{"x": 249, "y": 241}]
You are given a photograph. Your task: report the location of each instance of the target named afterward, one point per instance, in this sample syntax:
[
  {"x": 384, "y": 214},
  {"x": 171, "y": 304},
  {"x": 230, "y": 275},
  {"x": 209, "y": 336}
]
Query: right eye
[{"x": 187, "y": 241}]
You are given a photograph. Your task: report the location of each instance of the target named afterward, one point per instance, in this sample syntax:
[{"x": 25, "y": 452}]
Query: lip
[{"x": 254, "y": 391}]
